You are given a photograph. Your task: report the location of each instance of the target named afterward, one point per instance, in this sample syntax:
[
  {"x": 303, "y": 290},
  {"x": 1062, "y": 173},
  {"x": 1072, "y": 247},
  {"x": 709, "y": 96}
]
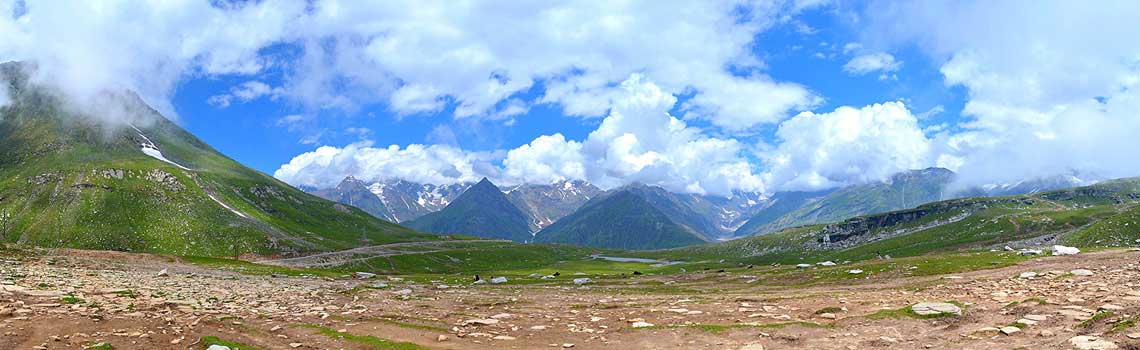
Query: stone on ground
[{"x": 927, "y": 308}]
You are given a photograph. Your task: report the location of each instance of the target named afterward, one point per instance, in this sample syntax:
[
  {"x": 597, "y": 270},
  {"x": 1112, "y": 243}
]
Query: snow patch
[
  {"x": 225, "y": 206},
  {"x": 150, "y": 149}
]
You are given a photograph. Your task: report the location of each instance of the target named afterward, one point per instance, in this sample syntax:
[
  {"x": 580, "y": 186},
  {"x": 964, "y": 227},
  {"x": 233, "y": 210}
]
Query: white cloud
[
  {"x": 85, "y": 49},
  {"x": 245, "y": 92},
  {"x": 1043, "y": 98},
  {"x": 4, "y": 98},
  {"x": 846, "y": 146},
  {"x": 326, "y": 166},
  {"x": 872, "y": 62},
  {"x": 477, "y": 55},
  {"x": 637, "y": 142}
]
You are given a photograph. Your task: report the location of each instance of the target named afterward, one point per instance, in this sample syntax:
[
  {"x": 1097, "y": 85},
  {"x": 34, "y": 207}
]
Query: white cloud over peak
[
  {"x": 846, "y": 146},
  {"x": 637, "y": 142},
  {"x": 326, "y": 166},
  {"x": 1043, "y": 98}
]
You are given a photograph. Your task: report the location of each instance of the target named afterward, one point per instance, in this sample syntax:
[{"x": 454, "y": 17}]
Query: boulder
[
  {"x": 927, "y": 308},
  {"x": 1063, "y": 250},
  {"x": 1088, "y": 342}
]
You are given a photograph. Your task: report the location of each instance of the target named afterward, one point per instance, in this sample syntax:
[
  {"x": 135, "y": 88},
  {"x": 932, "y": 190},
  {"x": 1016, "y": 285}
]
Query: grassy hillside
[
  {"x": 902, "y": 191},
  {"x": 1095, "y": 216},
  {"x": 72, "y": 179},
  {"x": 622, "y": 220}
]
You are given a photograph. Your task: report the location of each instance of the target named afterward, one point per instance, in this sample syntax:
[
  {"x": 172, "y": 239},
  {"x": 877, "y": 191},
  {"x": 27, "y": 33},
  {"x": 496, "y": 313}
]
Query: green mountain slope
[
  {"x": 354, "y": 192},
  {"x": 624, "y": 220},
  {"x": 70, "y": 180},
  {"x": 1102, "y": 215},
  {"x": 482, "y": 210},
  {"x": 904, "y": 190}
]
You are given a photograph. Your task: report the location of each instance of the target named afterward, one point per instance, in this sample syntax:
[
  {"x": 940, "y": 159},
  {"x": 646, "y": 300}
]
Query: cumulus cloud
[
  {"x": 881, "y": 62},
  {"x": 245, "y": 92},
  {"x": 326, "y": 166},
  {"x": 1043, "y": 99},
  {"x": 88, "y": 49},
  {"x": 846, "y": 146},
  {"x": 637, "y": 142}
]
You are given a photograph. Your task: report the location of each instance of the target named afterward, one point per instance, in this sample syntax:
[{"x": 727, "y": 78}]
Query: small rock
[
  {"x": 1027, "y": 274},
  {"x": 294, "y": 345},
  {"x": 803, "y": 266},
  {"x": 826, "y": 263},
  {"x": 581, "y": 281},
  {"x": 163, "y": 273},
  {"x": 503, "y": 337},
  {"x": 567, "y": 345},
  {"x": 753, "y": 346},
  {"x": 498, "y": 280},
  {"x": 827, "y": 315},
  {"x": 441, "y": 338},
  {"x": 363, "y": 275},
  {"x": 218, "y": 347},
  {"x": 855, "y": 271},
  {"x": 1007, "y": 330},
  {"x": 1081, "y": 272},
  {"x": 641, "y": 324},
  {"x": 481, "y": 322}
]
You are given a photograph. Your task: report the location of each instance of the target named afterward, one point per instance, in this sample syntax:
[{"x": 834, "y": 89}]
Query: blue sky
[{"x": 704, "y": 97}]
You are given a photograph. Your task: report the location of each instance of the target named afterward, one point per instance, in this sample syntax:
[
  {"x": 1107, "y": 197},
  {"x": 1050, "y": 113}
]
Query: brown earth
[{"x": 72, "y": 299}]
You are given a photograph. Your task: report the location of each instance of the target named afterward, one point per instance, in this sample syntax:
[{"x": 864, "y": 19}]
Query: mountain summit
[{"x": 482, "y": 210}]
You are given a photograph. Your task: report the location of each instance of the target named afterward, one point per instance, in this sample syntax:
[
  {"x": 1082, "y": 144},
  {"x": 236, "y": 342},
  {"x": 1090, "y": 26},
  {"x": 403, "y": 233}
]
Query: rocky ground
[{"x": 100, "y": 300}]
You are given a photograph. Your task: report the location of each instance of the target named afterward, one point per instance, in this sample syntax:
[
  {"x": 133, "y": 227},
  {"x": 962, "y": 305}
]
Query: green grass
[
  {"x": 99, "y": 346},
  {"x": 71, "y": 300},
  {"x": 1100, "y": 315},
  {"x": 371, "y": 342},
  {"x": 907, "y": 312},
  {"x": 828, "y": 310},
  {"x": 212, "y": 340},
  {"x": 1124, "y": 324}
]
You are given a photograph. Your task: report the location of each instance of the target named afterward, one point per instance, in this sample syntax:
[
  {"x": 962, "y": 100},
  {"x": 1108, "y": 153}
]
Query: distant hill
[
  {"x": 483, "y": 210},
  {"x": 624, "y": 219},
  {"x": 141, "y": 183},
  {"x": 901, "y": 191}
]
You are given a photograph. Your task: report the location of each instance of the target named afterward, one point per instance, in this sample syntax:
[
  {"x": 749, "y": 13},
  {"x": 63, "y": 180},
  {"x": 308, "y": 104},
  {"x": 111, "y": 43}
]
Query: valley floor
[{"x": 66, "y": 299}]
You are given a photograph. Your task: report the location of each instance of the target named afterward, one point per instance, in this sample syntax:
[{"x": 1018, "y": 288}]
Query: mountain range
[{"x": 706, "y": 218}]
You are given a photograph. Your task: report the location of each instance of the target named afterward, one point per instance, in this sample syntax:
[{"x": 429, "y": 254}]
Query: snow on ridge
[{"x": 150, "y": 149}]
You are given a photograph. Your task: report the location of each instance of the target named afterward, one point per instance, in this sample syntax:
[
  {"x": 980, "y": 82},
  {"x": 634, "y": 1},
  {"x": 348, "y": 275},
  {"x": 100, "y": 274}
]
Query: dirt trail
[{"x": 70, "y": 299}]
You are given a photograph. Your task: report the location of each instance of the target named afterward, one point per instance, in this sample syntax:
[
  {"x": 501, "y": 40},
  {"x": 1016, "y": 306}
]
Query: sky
[{"x": 706, "y": 97}]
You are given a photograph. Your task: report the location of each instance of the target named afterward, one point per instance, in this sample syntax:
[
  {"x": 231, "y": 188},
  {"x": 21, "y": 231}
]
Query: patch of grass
[
  {"x": 129, "y": 293},
  {"x": 99, "y": 346},
  {"x": 367, "y": 340},
  {"x": 828, "y": 310},
  {"x": 1095, "y": 317},
  {"x": 908, "y": 312},
  {"x": 207, "y": 341},
  {"x": 71, "y": 300},
  {"x": 1124, "y": 324}
]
